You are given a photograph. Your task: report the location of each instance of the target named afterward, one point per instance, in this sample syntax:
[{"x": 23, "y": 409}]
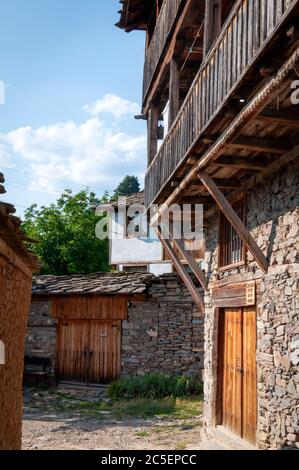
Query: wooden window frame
[{"x": 223, "y": 264}]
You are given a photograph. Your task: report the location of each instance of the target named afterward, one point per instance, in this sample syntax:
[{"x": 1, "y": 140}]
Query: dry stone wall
[
  {"x": 273, "y": 219},
  {"x": 41, "y": 333},
  {"x": 163, "y": 333}
]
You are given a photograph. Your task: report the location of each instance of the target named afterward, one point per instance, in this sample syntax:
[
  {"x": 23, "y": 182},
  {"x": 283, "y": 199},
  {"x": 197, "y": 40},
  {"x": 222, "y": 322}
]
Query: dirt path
[{"x": 64, "y": 422}]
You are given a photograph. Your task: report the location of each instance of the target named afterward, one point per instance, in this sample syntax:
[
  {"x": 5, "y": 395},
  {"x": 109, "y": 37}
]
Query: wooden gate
[
  {"x": 237, "y": 364},
  {"x": 88, "y": 351}
]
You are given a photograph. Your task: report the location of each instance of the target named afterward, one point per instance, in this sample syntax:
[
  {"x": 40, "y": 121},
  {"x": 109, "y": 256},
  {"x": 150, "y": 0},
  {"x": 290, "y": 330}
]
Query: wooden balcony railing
[
  {"x": 245, "y": 33},
  {"x": 165, "y": 23}
]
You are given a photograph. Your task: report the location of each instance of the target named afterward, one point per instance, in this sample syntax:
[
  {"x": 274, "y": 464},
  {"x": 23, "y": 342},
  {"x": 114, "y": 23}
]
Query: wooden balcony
[
  {"x": 248, "y": 31},
  {"x": 164, "y": 26}
]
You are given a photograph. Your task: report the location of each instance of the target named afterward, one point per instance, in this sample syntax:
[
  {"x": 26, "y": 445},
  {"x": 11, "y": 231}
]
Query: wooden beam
[
  {"x": 174, "y": 91},
  {"x": 197, "y": 271},
  {"x": 152, "y": 133},
  {"x": 256, "y": 144},
  {"x": 2, "y": 189},
  {"x": 182, "y": 271},
  {"x": 227, "y": 183},
  {"x": 282, "y": 117},
  {"x": 2, "y": 179},
  {"x": 268, "y": 172},
  {"x": 235, "y": 220},
  {"x": 212, "y": 25},
  {"x": 261, "y": 144},
  {"x": 196, "y": 200},
  {"x": 241, "y": 163}
]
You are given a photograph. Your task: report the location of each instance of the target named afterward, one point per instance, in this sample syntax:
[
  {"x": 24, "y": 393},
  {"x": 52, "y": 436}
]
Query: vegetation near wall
[{"x": 155, "y": 386}]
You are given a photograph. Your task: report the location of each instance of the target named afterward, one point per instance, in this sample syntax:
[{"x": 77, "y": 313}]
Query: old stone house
[
  {"x": 16, "y": 267},
  {"x": 227, "y": 71},
  {"x": 92, "y": 329}
]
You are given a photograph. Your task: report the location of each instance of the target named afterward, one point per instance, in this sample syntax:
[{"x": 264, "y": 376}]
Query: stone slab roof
[
  {"x": 11, "y": 233},
  {"x": 98, "y": 283},
  {"x": 136, "y": 198}
]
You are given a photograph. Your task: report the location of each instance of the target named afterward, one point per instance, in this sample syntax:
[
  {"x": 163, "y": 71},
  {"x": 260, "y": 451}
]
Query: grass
[
  {"x": 153, "y": 395},
  {"x": 142, "y": 434},
  {"x": 154, "y": 386},
  {"x": 170, "y": 407},
  {"x": 181, "y": 446}
]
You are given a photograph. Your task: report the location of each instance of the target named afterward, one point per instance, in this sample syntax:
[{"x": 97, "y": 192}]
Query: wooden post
[
  {"x": 174, "y": 91},
  {"x": 182, "y": 271},
  {"x": 235, "y": 220},
  {"x": 152, "y": 133},
  {"x": 213, "y": 22}
]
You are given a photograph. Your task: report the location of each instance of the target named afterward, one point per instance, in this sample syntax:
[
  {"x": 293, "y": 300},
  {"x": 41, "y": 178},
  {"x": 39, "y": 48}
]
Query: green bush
[{"x": 155, "y": 386}]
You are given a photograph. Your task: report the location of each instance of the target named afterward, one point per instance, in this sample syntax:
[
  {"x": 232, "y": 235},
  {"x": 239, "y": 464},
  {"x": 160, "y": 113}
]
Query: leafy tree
[
  {"x": 129, "y": 185},
  {"x": 65, "y": 232}
]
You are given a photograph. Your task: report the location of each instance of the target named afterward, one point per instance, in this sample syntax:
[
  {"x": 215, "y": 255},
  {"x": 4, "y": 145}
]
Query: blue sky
[{"x": 73, "y": 84}]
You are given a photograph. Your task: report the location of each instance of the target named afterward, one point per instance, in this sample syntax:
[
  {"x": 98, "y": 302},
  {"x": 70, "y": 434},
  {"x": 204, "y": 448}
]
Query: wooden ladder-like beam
[
  {"x": 197, "y": 271},
  {"x": 235, "y": 220},
  {"x": 196, "y": 296}
]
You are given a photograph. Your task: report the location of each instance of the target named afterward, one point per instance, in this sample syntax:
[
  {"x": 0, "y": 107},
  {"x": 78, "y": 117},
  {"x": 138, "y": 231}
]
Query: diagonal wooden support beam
[
  {"x": 235, "y": 220},
  {"x": 182, "y": 272},
  {"x": 197, "y": 271}
]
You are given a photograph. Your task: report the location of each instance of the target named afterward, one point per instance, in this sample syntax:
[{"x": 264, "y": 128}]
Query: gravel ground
[{"x": 61, "y": 420}]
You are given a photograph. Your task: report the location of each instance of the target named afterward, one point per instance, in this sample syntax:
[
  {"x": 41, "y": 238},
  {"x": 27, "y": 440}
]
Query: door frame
[{"x": 220, "y": 369}]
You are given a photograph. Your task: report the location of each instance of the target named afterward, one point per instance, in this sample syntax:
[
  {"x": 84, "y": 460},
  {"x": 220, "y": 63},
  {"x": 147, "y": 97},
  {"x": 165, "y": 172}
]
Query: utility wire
[{"x": 55, "y": 179}]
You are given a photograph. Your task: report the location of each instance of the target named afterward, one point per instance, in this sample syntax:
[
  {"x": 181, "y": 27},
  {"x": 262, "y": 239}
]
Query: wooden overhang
[
  {"x": 12, "y": 235},
  {"x": 254, "y": 136},
  {"x": 134, "y": 15}
]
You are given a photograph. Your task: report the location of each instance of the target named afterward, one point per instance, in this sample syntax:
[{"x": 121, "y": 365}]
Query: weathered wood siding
[
  {"x": 90, "y": 308},
  {"x": 88, "y": 351},
  {"x": 249, "y": 27},
  {"x": 165, "y": 23}
]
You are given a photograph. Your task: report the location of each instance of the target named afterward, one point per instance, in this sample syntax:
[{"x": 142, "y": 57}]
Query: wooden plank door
[
  {"x": 72, "y": 350},
  {"x": 232, "y": 381},
  {"x": 88, "y": 351},
  {"x": 238, "y": 365},
  {"x": 105, "y": 351}
]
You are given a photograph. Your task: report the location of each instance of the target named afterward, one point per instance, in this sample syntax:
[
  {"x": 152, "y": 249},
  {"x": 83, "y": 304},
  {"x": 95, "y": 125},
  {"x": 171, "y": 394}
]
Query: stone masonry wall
[
  {"x": 163, "y": 333},
  {"x": 41, "y": 333},
  {"x": 273, "y": 219}
]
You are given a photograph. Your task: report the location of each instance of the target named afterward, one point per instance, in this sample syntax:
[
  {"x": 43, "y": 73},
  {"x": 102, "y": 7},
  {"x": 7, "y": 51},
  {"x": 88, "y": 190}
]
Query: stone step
[
  {"x": 213, "y": 445},
  {"x": 231, "y": 440}
]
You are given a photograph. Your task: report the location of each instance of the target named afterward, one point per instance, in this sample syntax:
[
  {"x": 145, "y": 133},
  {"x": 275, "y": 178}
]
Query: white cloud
[
  {"x": 95, "y": 152},
  {"x": 114, "y": 105},
  {"x": 5, "y": 156}
]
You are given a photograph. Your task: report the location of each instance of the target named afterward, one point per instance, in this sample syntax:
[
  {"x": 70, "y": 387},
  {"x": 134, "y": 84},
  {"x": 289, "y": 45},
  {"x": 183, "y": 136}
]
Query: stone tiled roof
[
  {"x": 11, "y": 233},
  {"x": 136, "y": 198},
  {"x": 98, "y": 283}
]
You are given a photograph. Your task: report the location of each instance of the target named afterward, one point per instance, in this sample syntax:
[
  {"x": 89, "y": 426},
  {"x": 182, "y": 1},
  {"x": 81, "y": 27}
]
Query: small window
[{"x": 231, "y": 247}]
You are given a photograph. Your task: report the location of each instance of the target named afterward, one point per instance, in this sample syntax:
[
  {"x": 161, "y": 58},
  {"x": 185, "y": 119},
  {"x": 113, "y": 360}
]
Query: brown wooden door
[
  {"x": 105, "y": 351},
  {"x": 88, "y": 351},
  {"x": 238, "y": 366}
]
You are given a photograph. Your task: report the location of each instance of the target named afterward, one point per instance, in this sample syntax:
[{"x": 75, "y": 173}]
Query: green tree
[
  {"x": 129, "y": 185},
  {"x": 65, "y": 232}
]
